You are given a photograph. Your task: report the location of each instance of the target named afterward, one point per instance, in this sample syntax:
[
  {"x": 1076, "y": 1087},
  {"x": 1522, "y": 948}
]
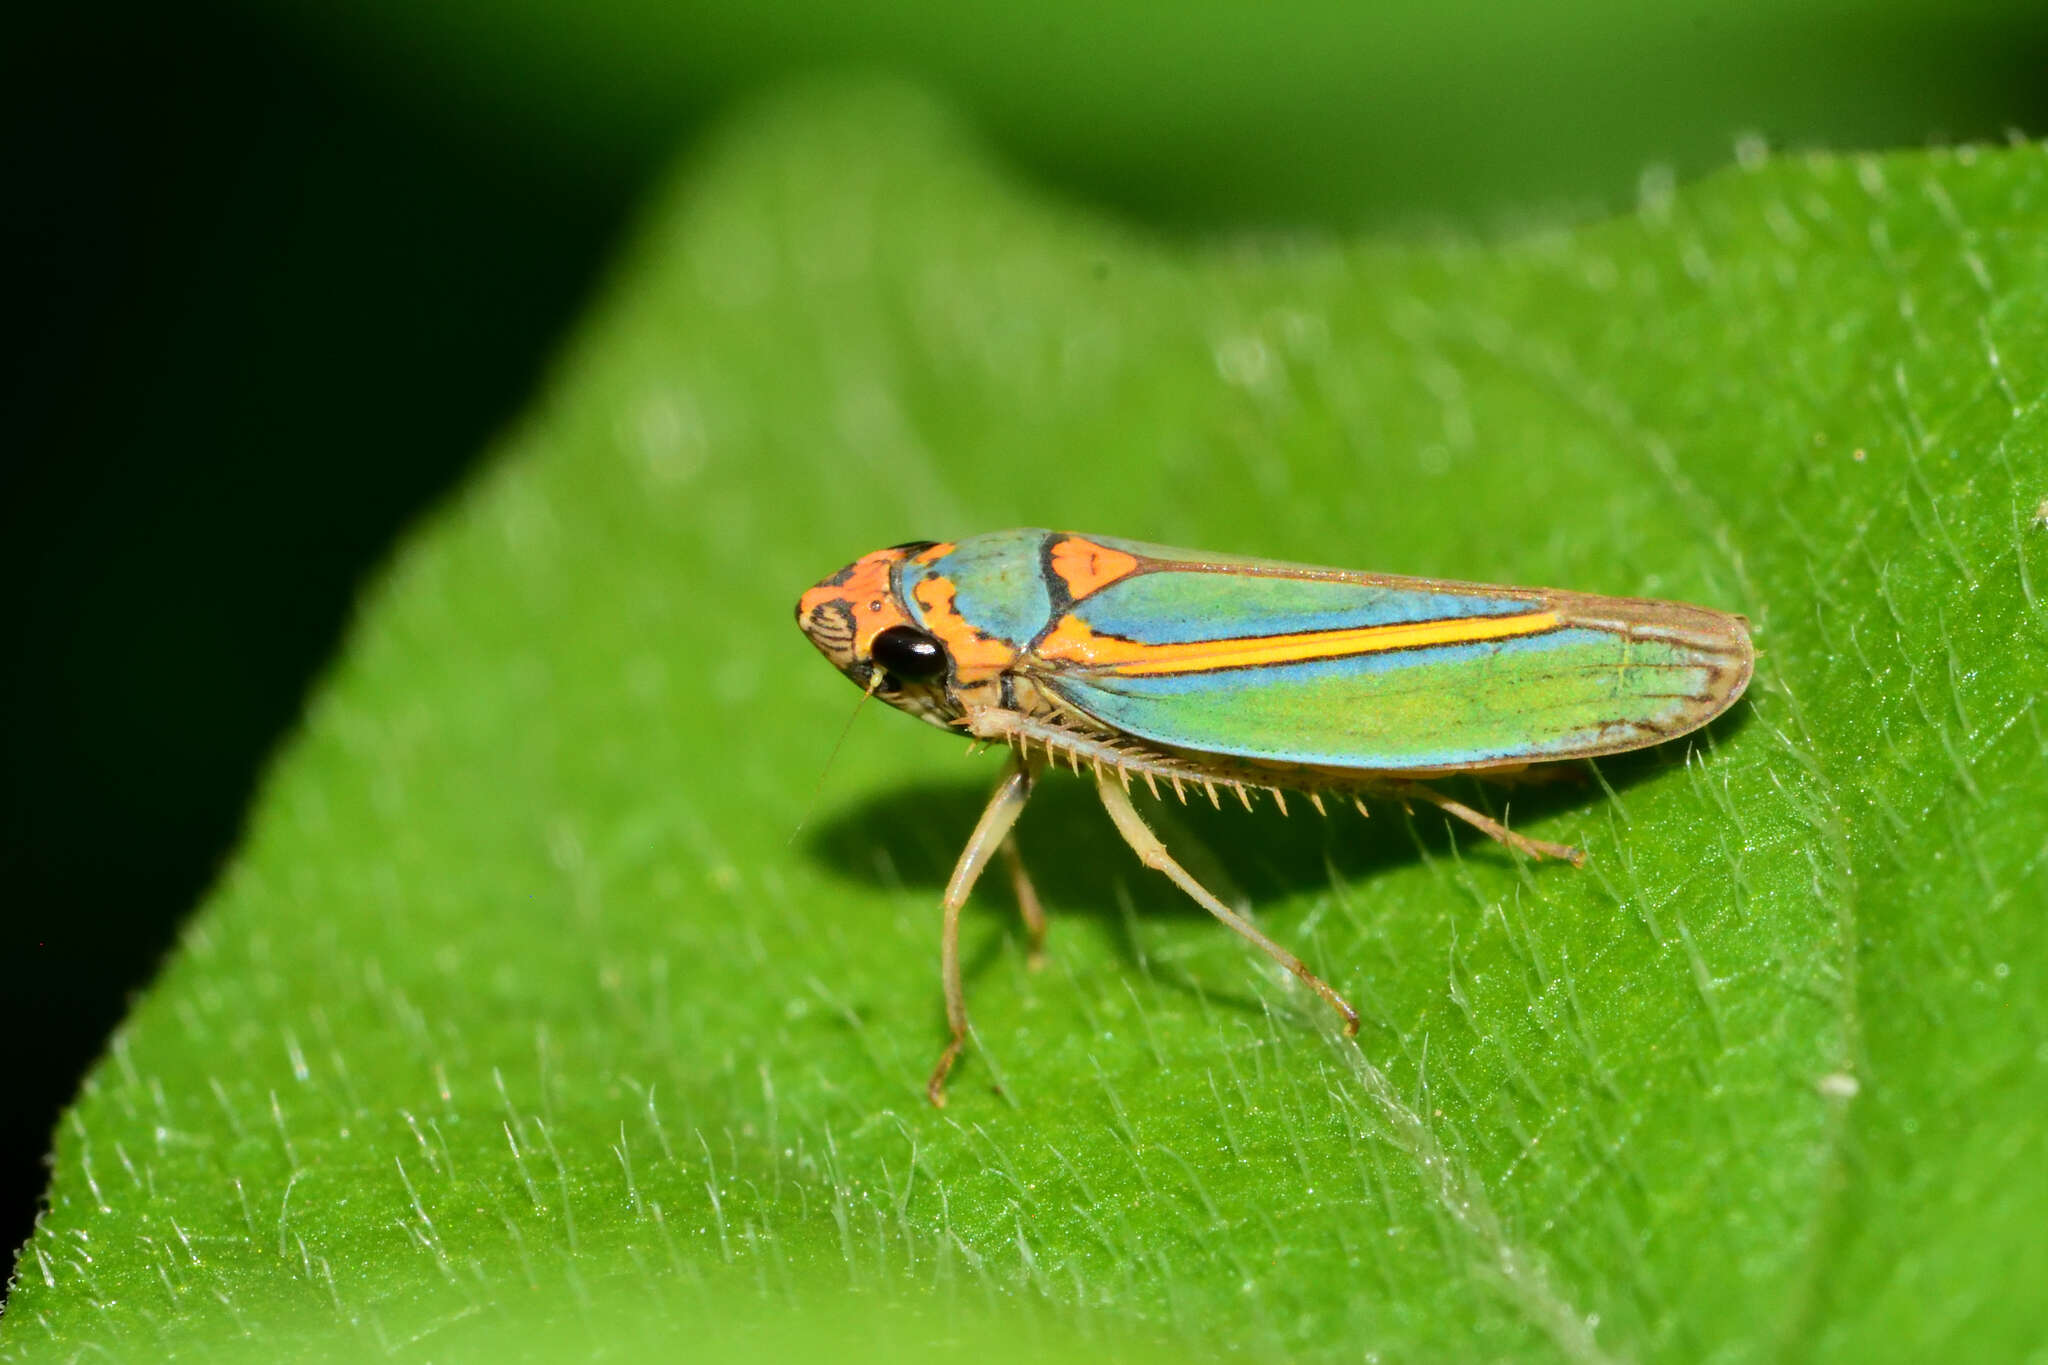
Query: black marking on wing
[{"x": 1056, "y": 588}]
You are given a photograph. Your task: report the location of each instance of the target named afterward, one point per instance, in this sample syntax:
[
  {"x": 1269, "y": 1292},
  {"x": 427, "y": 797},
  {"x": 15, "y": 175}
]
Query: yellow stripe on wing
[{"x": 1074, "y": 642}]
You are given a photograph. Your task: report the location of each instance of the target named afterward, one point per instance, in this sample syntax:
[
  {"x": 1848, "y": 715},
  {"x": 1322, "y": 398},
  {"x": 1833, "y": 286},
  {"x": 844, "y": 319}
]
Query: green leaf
[{"x": 522, "y": 1027}]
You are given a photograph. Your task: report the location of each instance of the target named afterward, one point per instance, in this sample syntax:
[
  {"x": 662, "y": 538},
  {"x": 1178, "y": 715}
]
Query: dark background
[
  {"x": 273, "y": 283},
  {"x": 255, "y": 321}
]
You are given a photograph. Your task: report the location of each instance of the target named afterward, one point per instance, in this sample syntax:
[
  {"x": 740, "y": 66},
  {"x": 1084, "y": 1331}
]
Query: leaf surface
[{"x": 522, "y": 1028}]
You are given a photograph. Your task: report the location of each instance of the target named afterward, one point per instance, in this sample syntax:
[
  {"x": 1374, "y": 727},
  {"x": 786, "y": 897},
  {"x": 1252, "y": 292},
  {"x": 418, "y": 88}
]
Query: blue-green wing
[{"x": 1295, "y": 665}]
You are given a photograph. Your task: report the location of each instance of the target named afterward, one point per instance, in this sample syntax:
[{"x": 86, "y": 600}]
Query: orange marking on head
[
  {"x": 976, "y": 655},
  {"x": 1086, "y": 567},
  {"x": 865, "y": 589},
  {"x": 1074, "y": 642}
]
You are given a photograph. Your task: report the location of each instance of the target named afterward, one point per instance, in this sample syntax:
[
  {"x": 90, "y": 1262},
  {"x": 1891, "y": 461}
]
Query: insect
[{"x": 1225, "y": 674}]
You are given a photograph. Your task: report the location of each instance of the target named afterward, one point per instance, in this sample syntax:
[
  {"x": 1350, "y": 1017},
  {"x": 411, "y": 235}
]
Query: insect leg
[
  {"x": 1027, "y": 901},
  {"x": 1492, "y": 828},
  {"x": 990, "y": 833},
  {"x": 1153, "y": 854}
]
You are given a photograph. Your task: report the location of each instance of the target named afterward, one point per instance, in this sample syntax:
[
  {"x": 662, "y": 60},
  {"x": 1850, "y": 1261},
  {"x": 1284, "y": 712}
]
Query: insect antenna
[{"x": 874, "y": 681}]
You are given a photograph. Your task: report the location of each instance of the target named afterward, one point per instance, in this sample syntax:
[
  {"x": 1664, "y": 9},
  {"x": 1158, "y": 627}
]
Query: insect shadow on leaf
[{"x": 908, "y": 837}]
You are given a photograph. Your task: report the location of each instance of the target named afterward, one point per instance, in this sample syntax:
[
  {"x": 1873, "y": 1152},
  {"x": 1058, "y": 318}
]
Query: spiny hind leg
[
  {"x": 1027, "y": 902},
  {"x": 991, "y": 832},
  {"x": 1487, "y": 825},
  {"x": 1153, "y": 854}
]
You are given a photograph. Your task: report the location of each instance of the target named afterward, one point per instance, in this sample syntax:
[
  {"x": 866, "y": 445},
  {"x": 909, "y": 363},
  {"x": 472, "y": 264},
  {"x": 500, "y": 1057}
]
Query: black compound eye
[{"x": 909, "y": 654}]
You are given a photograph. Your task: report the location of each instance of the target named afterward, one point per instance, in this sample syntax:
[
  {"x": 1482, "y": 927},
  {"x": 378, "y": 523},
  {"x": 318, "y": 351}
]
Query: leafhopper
[{"x": 1223, "y": 675}]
